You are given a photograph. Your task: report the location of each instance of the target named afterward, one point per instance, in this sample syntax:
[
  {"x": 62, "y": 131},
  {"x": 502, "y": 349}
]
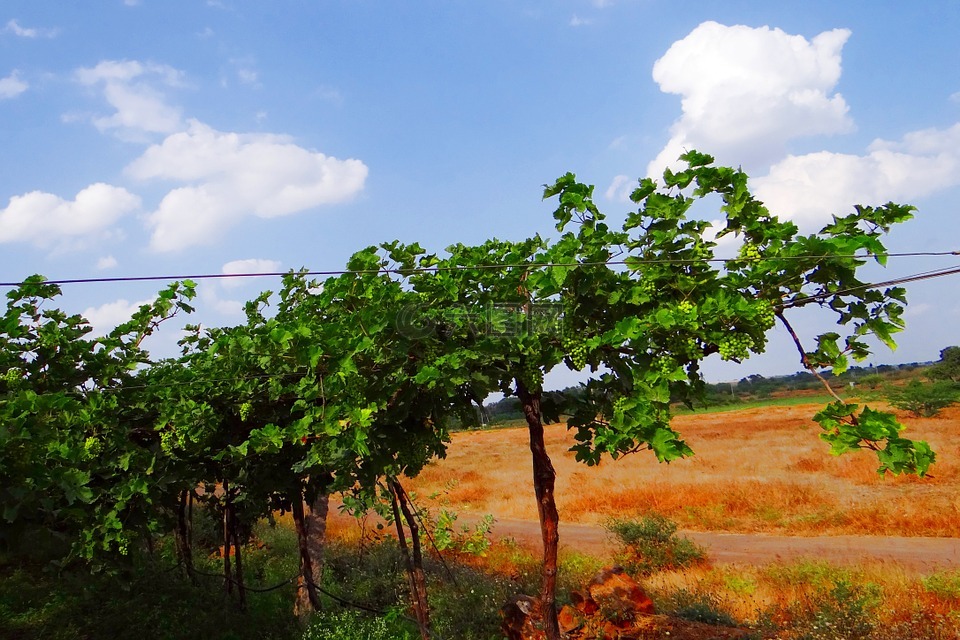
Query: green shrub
[
  {"x": 871, "y": 380},
  {"x": 650, "y": 544},
  {"x": 923, "y": 400},
  {"x": 945, "y": 584}
]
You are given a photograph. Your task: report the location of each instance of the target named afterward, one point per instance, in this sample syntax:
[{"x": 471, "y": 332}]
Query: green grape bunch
[
  {"x": 532, "y": 375},
  {"x": 664, "y": 364},
  {"x": 766, "y": 316},
  {"x": 619, "y": 404},
  {"x": 577, "y": 353},
  {"x": 92, "y": 447},
  {"x": 749, "y": 251},
  {"x": 736, "y": 346},
  {"x": 245, "y": 410},
  {"x": 12, "y": 377},
  {"x": 687, "y": 308}
]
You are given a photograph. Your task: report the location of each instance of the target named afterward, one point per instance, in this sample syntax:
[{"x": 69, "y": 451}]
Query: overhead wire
[
  {"x": 437, "y": 269},
  {"x": 917, "y": 277}
]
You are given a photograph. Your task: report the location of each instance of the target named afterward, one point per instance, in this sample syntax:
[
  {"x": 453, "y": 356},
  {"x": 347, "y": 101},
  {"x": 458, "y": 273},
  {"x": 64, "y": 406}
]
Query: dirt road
[
  {"x": 919, "y": 555},
  {"x": 913, "y": 554}
]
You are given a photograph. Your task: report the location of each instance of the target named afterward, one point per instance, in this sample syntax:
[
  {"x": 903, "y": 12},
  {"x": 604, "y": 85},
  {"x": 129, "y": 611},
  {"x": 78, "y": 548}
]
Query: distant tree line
[{"x": 756, "y": 386}]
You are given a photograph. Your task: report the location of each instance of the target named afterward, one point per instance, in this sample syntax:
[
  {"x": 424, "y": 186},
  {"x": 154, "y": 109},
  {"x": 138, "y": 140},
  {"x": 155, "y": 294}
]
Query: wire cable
[{"x": 523, "y": 265}]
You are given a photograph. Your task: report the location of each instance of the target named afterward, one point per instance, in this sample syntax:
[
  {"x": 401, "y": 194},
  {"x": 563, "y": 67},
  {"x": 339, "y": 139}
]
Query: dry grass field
[{"x": 755, "y": 470}]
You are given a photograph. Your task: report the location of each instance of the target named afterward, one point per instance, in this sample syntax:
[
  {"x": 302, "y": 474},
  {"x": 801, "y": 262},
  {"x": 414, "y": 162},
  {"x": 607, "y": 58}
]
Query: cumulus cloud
[
  {"x": 12, "y": 86},
  {"x": 230, "y": 176},
  {"x": 747, "y": 91},
  {"x": 128, "y": 87},
  {"x": 44, "y": 218},
  {"x": 250, "y": 265},
  {"x": 106, "y": 262},
  {"x": 108, "y": 316},
  {"x": 577, "y": 21},
  {"x": 809, "y": 188},
  {"x": 17, "y": 29}
]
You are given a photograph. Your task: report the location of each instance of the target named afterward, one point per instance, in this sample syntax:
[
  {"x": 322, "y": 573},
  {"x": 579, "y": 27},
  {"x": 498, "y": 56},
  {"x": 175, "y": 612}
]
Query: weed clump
[{"x": 650, "y": 544}]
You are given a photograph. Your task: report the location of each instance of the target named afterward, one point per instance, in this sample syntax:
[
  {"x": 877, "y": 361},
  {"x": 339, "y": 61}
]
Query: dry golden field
[{"x": 755, "y": 470}]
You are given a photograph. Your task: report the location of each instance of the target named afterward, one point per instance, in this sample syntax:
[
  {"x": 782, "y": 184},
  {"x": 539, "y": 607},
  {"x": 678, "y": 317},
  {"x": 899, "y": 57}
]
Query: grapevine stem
[{"x": 805, "y": 361}]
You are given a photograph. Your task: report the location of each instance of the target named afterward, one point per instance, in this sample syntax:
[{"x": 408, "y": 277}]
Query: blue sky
[{"x": 146, "y": 137}]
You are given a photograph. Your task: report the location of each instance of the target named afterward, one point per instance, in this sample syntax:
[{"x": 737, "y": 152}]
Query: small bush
[
  {"x": 871, "y": 380},
  {"x": 923, "y": 400},
  {"x": 945, "y": 584},
  {"x": 650, "y": 544}
]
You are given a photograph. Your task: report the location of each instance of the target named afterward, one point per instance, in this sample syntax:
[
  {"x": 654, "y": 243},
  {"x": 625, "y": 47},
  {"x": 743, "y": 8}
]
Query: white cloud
[
  {"x": 106, "y": 262},
  {"x": 810, "y": 187},
  {"x": 12, "y": 86},
  {"x": 577, "y": 21},
  {"x": 245, "y": 69},
  {"x": 16, "y": 29},
  {"x": 747, "y": 91},
  {"x": 44, "y": 218},
  {"x": 230, "y": 176},
  {"x": 139, "y": 107},
  {"x": 620, "y": 188},
  {"x": 250, "y": 265},
  {"x": 131, "y": 3},
  {"x": 108, "y": 316},
  {"x": 329, "y": 94},
  {"x": 955, "y": 97},
  {"x": 247, "y": 76},
  {"x": 918, "y": 309}
]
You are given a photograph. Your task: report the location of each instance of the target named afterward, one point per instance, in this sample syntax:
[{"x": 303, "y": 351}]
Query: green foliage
[
  {"x": 948, "y": 367},
  {"x": 846, "y": 429},
  {"x": 77, "y": 456},
  {"x": 149, "y": 602},
  {"x": 444, "y": 534},
  {"x": 923, "y": 400},
  {"x": 651, "y": 325},
  {"x": 650, "y": 544},
  {"x": 464, "y": 601},
  {"x": 347, "y": 624}
]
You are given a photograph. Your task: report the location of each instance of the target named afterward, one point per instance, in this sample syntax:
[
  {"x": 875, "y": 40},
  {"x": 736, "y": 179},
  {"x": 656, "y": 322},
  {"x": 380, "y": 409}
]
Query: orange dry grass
[
  {"x": 755, "y": 470},
  {"x": 792, "y": 588}
]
